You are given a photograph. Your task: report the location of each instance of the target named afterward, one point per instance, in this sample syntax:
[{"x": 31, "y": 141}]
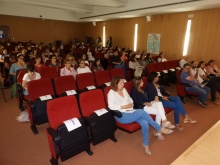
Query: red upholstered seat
[
  {"x": 152, "y": 67},
  {"x": 63, "y": 84},
  {"x": 160, "y": 66},
  {"x": 49, "y": 72},
  {"x": 102, "y": 127},
  {"x": 128, "y": 86},
  {"x": 102, "y": 77},
  {"x": 116, "y": 72},
  {"x": 65, "y": 144},
  {"x": 84, "y": 80}
]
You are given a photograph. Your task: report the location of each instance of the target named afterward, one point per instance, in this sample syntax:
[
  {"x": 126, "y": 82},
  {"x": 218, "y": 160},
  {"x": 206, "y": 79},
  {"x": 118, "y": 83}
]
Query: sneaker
[{"x": 202, "y": 103}]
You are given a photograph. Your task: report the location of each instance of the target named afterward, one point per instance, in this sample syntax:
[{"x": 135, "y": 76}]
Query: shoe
[
  {"x": 165, "y": 131},
  {"x": 159, "y": 135},
  {"x": 202, "y": 103},
  {"x": 188, "y": 120},
  {"x": 146, "y": 149},
  {"x": 168, "y": 125},
  {"x": 179, "y": 128}
]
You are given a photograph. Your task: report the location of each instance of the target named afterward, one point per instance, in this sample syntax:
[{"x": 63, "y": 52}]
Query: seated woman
[
  {"x": 31, "y": 75},
  {"x": 68, "y": 70},
  {"x": 213, "y": 69},
  {"x": 153, "y": 89},
  {"x": 161, "y": 57},
  {"x": 97, "y": 65},
  {"x": 20, "y": 64},
  {"x": 82, "y": 67},
  {"x": 54, "y": 61},
  {"x": 154, "y": 107},
  {"x": 119, "y": 99},
  {"x": 71, "y": 58},
  {"x": 134, "y": 64},
  {"x": 38, "y": 64},
  {"x": 149, "y": 58}
]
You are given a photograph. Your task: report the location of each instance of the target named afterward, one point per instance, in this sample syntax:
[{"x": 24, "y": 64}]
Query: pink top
[{"x": 65, "y": 72}]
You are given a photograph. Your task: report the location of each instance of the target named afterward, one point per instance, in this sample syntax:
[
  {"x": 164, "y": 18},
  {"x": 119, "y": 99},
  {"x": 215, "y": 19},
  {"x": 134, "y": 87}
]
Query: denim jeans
[
  {"x": 141, "y": 117},
  {"x": 177, "y": 105},
  {"x": 202, "y": 92}
]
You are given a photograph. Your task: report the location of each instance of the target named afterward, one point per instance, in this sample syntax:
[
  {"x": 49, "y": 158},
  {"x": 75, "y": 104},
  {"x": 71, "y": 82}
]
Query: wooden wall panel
[{"x": 38, "y": 30}]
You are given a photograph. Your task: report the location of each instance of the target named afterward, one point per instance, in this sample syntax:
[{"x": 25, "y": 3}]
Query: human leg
[
  {"x": 201, "y": 92},
  {"x": 153, "y": 111}
]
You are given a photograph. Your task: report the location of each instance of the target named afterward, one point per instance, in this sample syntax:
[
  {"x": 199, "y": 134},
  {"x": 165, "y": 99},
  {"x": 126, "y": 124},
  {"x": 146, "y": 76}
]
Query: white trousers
[{"x": 157, "y": 109}]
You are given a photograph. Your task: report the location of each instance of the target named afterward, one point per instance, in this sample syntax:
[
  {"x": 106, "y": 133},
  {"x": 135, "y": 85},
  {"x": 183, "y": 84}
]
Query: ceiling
[{"x": 99, "y": 10}]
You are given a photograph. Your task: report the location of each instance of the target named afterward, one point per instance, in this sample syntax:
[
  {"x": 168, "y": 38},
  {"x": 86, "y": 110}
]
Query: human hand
[
  {"x": 156, "y": 99},
  {"x": 165, "y": 98}
]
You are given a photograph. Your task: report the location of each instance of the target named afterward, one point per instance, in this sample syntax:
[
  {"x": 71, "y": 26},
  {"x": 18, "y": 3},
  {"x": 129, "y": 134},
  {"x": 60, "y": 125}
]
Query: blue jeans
[
  {"x": 177, "y": 105},
  {"x": 122, "y": 65},
  {"x": 202, "y": 92},
  {"x": 141, "y": 117}
]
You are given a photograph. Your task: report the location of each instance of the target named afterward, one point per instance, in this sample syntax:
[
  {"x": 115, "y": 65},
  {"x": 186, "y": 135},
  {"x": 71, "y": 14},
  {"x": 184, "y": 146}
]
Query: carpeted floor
[{"x": 19, "y": 146}]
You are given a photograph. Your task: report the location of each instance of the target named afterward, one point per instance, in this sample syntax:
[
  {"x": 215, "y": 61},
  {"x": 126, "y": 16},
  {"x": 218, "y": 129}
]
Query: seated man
[{"x": 193, "y": 86}]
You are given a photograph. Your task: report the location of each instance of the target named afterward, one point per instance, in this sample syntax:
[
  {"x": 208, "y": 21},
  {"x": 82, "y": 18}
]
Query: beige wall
[{"x": 204, "y": 41}]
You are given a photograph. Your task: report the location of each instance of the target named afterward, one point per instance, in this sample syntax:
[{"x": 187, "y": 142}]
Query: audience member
[
  {"x": 161, "y": 57},
  {"x": 187, "y": 78},
  {"x": 68, "y": 70},
  {"x": 82, "y": 67},
  {"x": 119, "y": 99},
  {"x": 154, "y": 107},
  {"x": 97, "y": 65}
]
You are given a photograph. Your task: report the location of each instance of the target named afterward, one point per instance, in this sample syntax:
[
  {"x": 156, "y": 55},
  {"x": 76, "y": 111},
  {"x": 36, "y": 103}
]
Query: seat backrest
[
  {"x": 90, "y": 101},
  {"x": 64, "y": 83},
  {"x": 116, "y": 72},
  {"x": 41, "y": 87},
  {"x": 84, "y": 80},
  {"x": 20, "y": 74},
  {"x": 105, "y": 91},
  {"x": 145, "y": 80},
  {"x": 168, "y": 65},
  {"x": 61, "y": 109},
  {"x": 49, "y": 72},
  {"x": 152, "y": 67},
  {"x": 102, "y": 77},
  {"x": 178, "y": 72},
  {"x": 160, "y": 66},
  {"x": 128, "y": 86}
]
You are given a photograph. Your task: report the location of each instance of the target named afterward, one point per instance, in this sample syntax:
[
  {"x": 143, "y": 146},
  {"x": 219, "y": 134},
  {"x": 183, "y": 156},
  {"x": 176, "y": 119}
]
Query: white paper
[
  {"x": 91, "y": 87},
  {"x": 46, "y": 97},
  {"x": 158, "y": 73},
  {"x": 72, "y": 124},
  {"x": 165, "y": 71},
  {"x": 125, "y": 81},
  {"x": 101, "y": 111},
  {"x": 108, "y": 84},
  {"x": 172, "y": 69},
  {"x": 178, "y": 68},
  {"x": 70, "y": 92}
]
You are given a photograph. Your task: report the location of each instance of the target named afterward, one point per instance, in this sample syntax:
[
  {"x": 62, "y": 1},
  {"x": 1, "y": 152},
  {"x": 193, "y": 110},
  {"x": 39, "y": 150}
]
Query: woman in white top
[
  {"x": 119, "y": 99},
  {"x": 161, "y": 57},
  {"x": 82, "y": 67},
  {"x": 68, "y": 70},
  {"x": 31, "y": 75}
]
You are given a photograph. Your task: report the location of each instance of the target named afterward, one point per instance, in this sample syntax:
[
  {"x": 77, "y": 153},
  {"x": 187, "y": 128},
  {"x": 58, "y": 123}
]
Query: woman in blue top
[{"x": 20, "y": 64}]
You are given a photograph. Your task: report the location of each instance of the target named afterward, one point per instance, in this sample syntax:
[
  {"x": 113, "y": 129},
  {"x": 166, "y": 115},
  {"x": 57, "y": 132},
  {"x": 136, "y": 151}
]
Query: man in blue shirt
[{"x": 193, "y": 86}]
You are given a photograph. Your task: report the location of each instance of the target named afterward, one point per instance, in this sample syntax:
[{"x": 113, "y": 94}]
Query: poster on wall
[{"x": 153, "y": 43}]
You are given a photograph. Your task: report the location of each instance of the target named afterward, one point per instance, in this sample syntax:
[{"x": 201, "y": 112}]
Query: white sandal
[{"x": 168, "y": 125}]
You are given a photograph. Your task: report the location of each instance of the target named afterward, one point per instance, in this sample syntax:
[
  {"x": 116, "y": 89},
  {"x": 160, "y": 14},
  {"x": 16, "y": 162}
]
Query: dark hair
[
  {"x": 192, "y": 62},
  {"x": 114, "y": 82},
  {"x": 210, "y": 61},
  {"x": 186, "y": 64},
  {"x": 30, "y": 67},
  {"x": 136, "y": 81},
  {"x": 19, "y": 55},
  {"x": 152, "y": 76},
  {"x": 148, "y": 55},
  {"x": 200, "y": 63},
  {"x": 160, "y": 54},
  {"x": 53, "y": 56},
  {"x": 38, "y": 56},
  {"x": 95, "y": 62},
  {"x": 133, "y": 57}
]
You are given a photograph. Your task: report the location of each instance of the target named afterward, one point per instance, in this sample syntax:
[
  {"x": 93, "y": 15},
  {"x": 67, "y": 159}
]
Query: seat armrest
[
  {"x": 87, "y": 120},
  {"x": 116, "y": 113},
  {"x": 55, "y": 136}
]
